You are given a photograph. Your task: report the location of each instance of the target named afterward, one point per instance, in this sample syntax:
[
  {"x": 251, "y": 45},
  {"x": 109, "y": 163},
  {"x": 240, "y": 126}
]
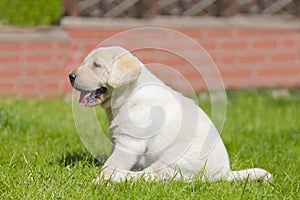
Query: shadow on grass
[{"x": 71, "y": 158}]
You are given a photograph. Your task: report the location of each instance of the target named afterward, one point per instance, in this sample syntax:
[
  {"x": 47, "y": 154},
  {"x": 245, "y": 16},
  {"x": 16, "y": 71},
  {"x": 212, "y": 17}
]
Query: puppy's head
[{"x": 103, "y": 70}]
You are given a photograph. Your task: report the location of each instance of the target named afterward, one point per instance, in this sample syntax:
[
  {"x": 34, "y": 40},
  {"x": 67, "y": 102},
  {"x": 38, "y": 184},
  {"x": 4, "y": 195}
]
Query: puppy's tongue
[{"x": 84, "y": 96}]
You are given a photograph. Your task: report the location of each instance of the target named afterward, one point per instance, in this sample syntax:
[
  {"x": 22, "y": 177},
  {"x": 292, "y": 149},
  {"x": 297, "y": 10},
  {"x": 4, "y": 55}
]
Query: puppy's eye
[{"x": 96, "y": 65}]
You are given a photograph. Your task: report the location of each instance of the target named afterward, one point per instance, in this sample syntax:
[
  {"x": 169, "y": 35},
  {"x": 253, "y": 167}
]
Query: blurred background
[
  {"x": 254, "y": 43},
  {"x": 151, "y": 8}
]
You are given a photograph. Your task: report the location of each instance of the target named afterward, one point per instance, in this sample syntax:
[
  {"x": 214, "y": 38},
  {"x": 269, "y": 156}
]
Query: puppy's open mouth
[{"x": 91, "y": 98}]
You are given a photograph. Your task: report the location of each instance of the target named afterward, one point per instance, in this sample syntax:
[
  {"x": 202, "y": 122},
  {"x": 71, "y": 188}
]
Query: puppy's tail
[{"x": 252, "y": 174}]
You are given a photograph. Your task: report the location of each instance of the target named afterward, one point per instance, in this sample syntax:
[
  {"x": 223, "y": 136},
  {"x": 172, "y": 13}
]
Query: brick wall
[{"x": 248, "y": 53}]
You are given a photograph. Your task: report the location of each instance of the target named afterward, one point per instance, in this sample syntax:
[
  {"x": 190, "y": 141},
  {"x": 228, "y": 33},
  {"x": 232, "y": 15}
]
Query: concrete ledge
[
  {"x": 36, "y": 33},
  {"x": 185, "y": 22}
]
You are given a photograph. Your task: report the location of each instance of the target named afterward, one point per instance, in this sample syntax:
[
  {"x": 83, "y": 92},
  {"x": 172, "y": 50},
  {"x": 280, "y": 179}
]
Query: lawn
[{"x": 42, "y": 157}]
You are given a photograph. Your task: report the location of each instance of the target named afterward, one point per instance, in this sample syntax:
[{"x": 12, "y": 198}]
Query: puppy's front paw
[{"x": 104, "y": 175}]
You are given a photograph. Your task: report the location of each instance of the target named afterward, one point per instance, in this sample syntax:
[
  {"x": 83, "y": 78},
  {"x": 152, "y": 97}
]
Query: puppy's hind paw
[{"x": 267, "y": 177}]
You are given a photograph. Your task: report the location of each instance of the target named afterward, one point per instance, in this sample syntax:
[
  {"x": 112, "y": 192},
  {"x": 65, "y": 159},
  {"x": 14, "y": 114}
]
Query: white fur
[{"x": 164, "y": 132}]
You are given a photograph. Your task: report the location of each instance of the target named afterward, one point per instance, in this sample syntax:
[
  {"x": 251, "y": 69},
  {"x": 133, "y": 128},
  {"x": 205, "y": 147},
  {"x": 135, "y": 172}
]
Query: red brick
[
  {"x": 284, "y": 57},
  {"x": 89, "y": 47},
  {"x": 148, "y": 60},
  {"x": 36, "y": 57},
  {"x": 151, "y": 35},
  {"x": 9, "y": 58},
  {"x": 170, "y": 47},
  {"x": 191, "y": 75},
  {"x": 31, "y": 71},
  {"x": 228, "y": 59},
  {"x": 52, "y": 71},
  {"x": 256, "y": 32},
  {"x": 287, "y": 42},
  {"x": 66, "y": 69},
  {"x": 234, "y": 45},
  {"x": 7, "y": 91},
  {"x": 38, "y": 45},
  {"x": 26, "y": 85},
  {"x": 110, "y": 32},
  {"x": 289, "y": 83},
  {"x": 61, "y": 44},
  {"x": 49, "y": 85},
  {"x": 236, "y": 73},
  {"x": 75, "y": 47},
  {"x": 279, "y": 71},
  {"x": 84, "y": 33},
  {"x": 6, "y": 85},
  {"x": 252, "y": 58},
  {"x": 209, "y": 45},
  {"x": 61, "y": 57},
  {"x": 67, "y": 86},
  {"x": 9, "y": 73},
  {"x": 192, "y": 32},
  {"x": 50, "y": 89},
  {"x": 219, "y": 33},
  {"x": 174, "y": 63},
  {"x": 11, "y": 46},
  {"x": 264, "y": 44}
]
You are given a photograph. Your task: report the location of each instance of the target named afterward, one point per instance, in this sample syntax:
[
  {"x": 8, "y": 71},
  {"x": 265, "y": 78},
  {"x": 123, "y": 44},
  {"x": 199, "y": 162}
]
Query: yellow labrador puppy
[{"x": 157, "y": 132}]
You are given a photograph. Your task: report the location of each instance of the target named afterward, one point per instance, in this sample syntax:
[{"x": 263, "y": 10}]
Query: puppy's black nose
[{"x": 72, "y": 77}]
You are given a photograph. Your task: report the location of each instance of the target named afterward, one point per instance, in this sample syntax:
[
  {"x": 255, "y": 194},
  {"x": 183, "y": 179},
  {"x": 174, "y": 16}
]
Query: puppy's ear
[{"x": 125, "y": 69}]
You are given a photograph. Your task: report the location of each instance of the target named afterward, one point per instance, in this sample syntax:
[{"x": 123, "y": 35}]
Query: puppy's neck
[{"x": 118, "y": 98}]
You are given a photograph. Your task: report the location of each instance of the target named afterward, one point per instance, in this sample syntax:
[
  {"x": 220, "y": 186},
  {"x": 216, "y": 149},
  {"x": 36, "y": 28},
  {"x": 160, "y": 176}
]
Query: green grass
[{"x": 42, "y": 157}]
